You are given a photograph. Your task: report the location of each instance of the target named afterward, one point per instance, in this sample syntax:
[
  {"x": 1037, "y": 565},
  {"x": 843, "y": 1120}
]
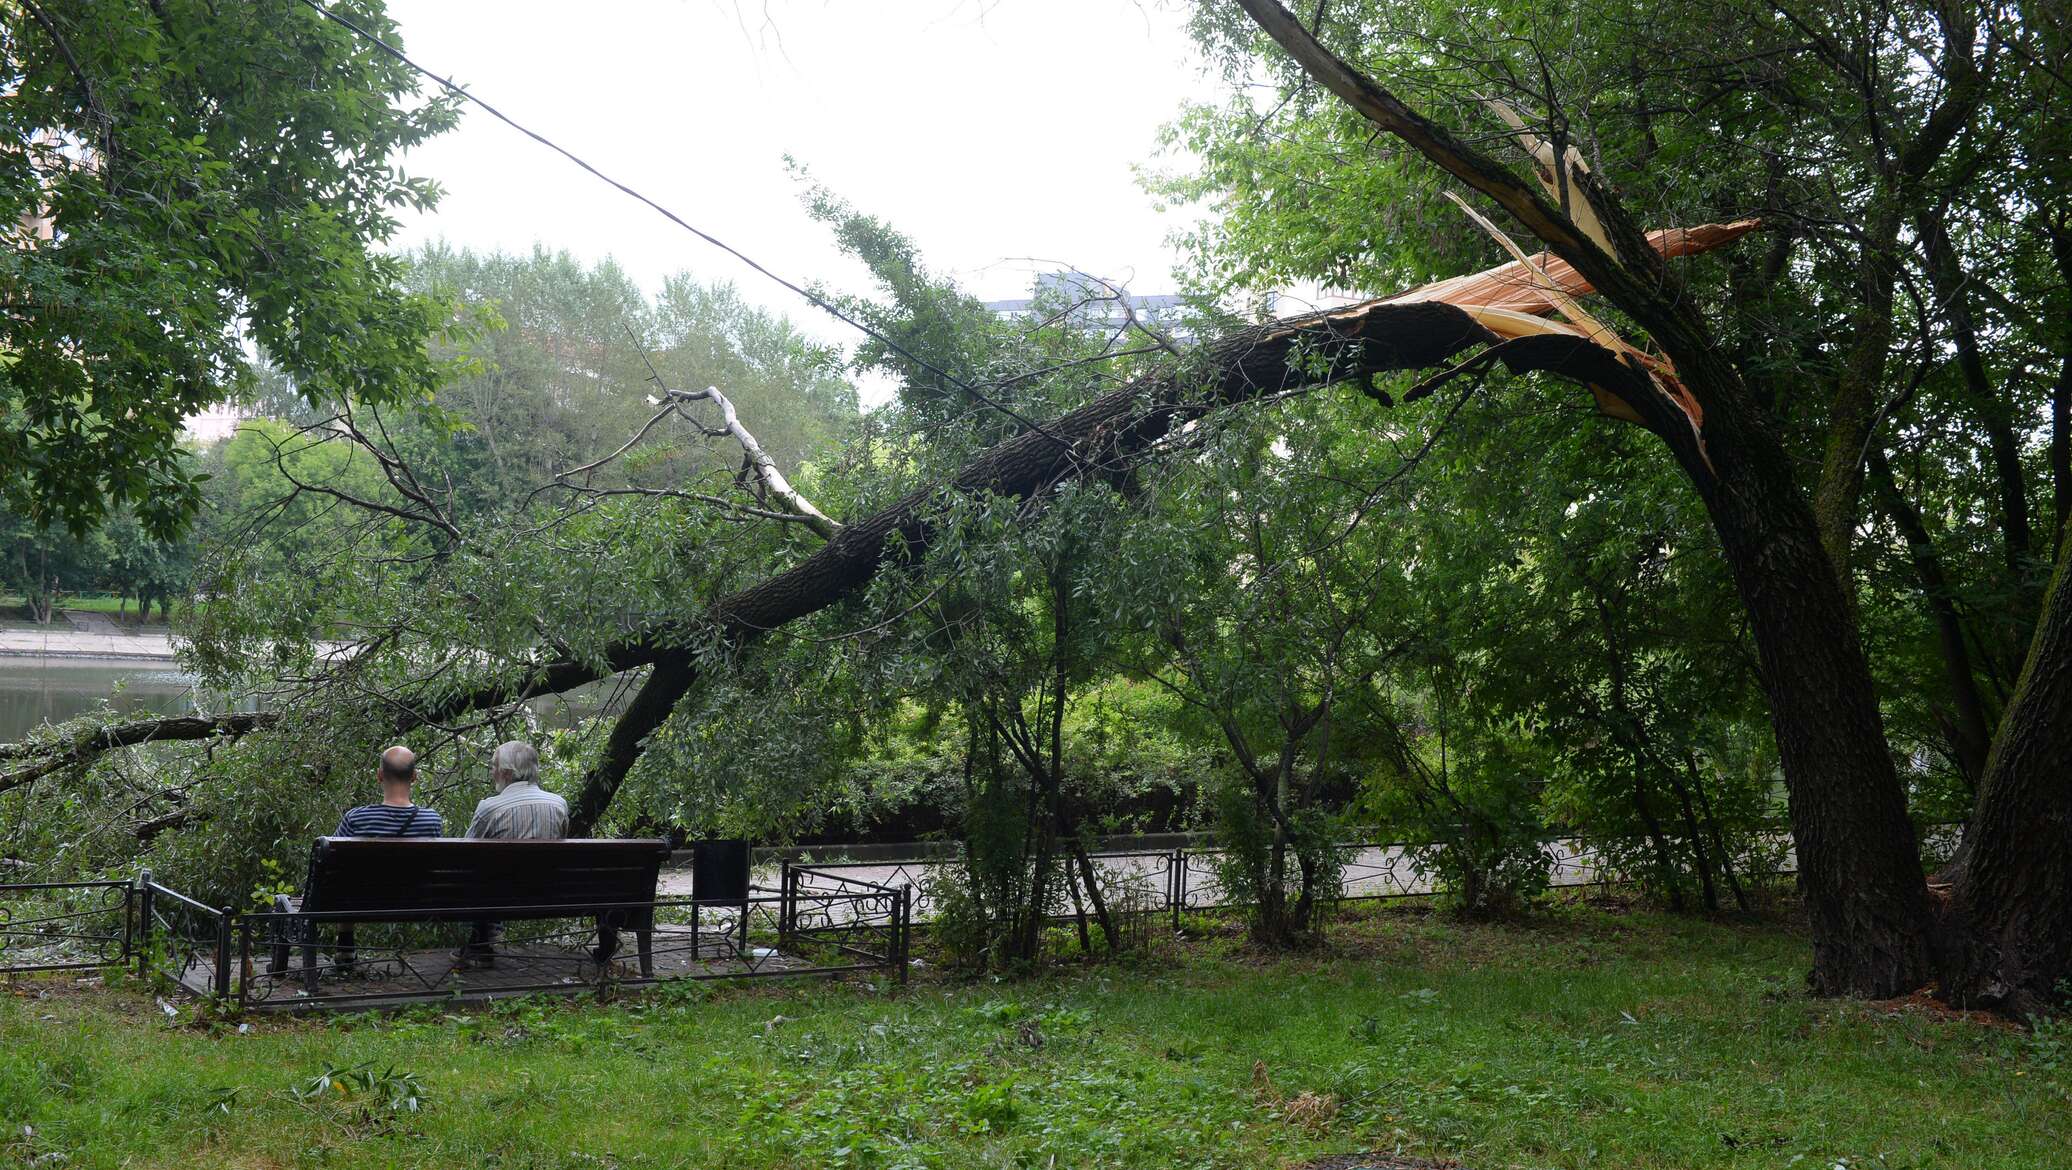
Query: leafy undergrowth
[{"x": 1587, "y": 1037}]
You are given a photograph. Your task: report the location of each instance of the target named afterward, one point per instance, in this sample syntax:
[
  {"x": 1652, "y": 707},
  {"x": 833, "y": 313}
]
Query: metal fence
[
  {"x": 64, "y": 926},
  {"x": 812, "y": 923},
  {"x": 1184, "y": 880},
  {"x": 823, "y": 917},
  {"x": 184, "y": 941}
]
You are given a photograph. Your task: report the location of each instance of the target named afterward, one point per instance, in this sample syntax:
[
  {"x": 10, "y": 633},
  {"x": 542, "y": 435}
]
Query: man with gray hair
[{"x": 519, "y": 811}]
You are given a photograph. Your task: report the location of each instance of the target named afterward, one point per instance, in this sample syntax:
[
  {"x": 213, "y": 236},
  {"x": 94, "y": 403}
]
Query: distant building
[
  {"x": 1094, "y": 304},
  {"x": 213, "y": 425}
]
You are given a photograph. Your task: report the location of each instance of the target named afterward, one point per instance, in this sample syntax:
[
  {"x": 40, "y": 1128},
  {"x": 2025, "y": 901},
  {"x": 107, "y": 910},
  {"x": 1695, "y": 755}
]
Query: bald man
[{"x": 396, "y": 815}]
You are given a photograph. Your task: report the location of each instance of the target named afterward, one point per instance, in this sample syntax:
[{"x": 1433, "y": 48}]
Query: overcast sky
[{"x": 990, "y": 132}]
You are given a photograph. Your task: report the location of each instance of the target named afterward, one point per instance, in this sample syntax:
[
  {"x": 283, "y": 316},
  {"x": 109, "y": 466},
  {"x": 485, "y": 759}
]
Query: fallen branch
[
  {"x": 56, "y": 757},
  {"x": 1408, "y": 332}
]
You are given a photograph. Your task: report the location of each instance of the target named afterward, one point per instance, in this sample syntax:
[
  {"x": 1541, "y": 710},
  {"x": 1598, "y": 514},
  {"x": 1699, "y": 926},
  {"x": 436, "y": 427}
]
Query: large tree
[{"x": 1875, "y": 931}]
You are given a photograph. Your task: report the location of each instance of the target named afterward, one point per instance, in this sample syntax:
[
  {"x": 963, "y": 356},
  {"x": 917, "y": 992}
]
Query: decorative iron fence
[
  {"x": 1178, "y": 881},
  {"x": 822, "y": 918},
  {"x": 824, "y": 911},
  {"x": 297, "y": 960},
  {"x": 180, "y": 940},
  {"x": 812, "y": 924},
  {"x": 64, "y": 926}
]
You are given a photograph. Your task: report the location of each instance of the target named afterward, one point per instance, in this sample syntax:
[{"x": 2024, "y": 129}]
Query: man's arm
[
  {"x": 479, "y": 827},
  {"x": 345, "y": 825}
]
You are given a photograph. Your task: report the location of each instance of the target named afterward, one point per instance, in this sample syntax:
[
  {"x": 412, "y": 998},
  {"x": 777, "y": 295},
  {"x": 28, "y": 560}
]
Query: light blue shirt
[{"x": 521, "y": 812}]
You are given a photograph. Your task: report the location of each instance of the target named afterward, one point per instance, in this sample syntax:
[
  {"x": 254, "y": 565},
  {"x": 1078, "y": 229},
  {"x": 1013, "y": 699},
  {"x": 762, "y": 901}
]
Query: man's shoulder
[
  {"x": 534, "y": 794},
  {"x": 413, "y": 819}
]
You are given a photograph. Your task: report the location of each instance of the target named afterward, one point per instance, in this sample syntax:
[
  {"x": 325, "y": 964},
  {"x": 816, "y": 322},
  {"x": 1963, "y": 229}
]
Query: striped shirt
[
  {"x": 390, "y": 820},
  {"x": 521, "y": 812}
]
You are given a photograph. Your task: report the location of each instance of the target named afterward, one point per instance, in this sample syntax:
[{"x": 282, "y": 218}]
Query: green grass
[
  {"x": 1585, "y": 1038},
  {"x": 14, "y": 604}
]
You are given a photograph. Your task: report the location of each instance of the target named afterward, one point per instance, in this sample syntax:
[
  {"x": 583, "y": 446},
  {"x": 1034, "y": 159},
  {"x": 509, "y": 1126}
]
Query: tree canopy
[{"x": 183, "y": 181}]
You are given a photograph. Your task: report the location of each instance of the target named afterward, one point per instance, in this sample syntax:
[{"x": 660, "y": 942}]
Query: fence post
[
  {"x": 787, "y": 904},
  {"x": 143, "y": 920},
  {"x": 244, "y": 961},
  {"x": 129, "y": 923},
  {"x": 223, "y": 956},
  {"x": 1179, "y": 886},
  {"x": 905, "y": 934}
]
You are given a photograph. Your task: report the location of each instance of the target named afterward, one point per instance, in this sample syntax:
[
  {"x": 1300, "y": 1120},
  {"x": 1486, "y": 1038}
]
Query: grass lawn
[
  {"x": 15, "y": 605},
  {"x": 1588, "y": 1037}
]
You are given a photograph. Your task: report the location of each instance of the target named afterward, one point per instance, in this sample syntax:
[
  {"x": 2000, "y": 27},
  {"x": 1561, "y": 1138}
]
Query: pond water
[{"x": 34, "y": 691}]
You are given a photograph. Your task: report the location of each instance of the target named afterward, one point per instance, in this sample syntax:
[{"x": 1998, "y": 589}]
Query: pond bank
[{"x": 109, "y": 644}]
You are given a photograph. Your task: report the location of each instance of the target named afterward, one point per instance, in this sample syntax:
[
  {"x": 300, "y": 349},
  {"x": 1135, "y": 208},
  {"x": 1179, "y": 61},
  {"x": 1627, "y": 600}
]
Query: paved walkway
[{"x": 61, "y": 641}]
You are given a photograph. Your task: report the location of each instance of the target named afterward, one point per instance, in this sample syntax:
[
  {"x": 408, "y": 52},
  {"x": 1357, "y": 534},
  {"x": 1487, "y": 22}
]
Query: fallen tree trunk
[
  {"x": 47, "y": 759},
  {"x": 1100, "y": 437},
  {"x": 545, "y": 678}
]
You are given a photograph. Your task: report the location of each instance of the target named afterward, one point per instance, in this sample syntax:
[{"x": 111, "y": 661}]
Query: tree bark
[
  {"x": 672, "y": 675},
  {"x": 2010, "y": 911},
  {"x": 120, "y": 735}
]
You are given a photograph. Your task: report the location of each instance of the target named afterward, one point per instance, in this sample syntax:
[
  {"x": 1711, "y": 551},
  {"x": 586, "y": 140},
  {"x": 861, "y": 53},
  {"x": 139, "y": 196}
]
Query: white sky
[{"x": 989, "y": 132}]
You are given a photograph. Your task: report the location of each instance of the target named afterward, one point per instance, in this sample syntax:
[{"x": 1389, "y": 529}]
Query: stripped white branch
[
  {"x": 769, "y": 478},
  {"x": 1562, "y": 184}
]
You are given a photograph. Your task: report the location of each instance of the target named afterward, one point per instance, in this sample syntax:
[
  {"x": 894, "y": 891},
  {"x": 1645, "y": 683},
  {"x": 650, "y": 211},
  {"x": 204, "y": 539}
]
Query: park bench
[{"x": 445, "y": 879}]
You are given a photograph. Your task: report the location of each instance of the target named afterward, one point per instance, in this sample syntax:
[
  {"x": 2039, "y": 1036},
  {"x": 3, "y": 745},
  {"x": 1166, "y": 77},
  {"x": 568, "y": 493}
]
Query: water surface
[{"x": 34, "y": 691}]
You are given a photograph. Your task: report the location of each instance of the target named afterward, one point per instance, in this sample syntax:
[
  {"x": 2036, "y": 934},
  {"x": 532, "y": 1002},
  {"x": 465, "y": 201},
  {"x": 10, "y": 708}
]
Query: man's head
[
  {"x": 515, "y": 762},
  {"x": 398, "y": 770}
]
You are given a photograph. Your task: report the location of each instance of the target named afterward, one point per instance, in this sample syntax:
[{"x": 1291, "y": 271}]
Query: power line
[{"x": 814, "y": 298}]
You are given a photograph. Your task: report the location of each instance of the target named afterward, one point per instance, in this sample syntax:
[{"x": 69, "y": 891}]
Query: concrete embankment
[{"x": 62, "y": 642}]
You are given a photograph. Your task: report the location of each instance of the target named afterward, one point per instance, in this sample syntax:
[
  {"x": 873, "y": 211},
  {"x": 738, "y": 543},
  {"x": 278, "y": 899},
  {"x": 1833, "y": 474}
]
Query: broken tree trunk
[{"x": 1859, "y": 861}]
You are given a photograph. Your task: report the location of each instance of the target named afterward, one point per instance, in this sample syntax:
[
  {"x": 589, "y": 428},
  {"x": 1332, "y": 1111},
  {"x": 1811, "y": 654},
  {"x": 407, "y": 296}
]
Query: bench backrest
[{"x": 519, "y": 878}]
